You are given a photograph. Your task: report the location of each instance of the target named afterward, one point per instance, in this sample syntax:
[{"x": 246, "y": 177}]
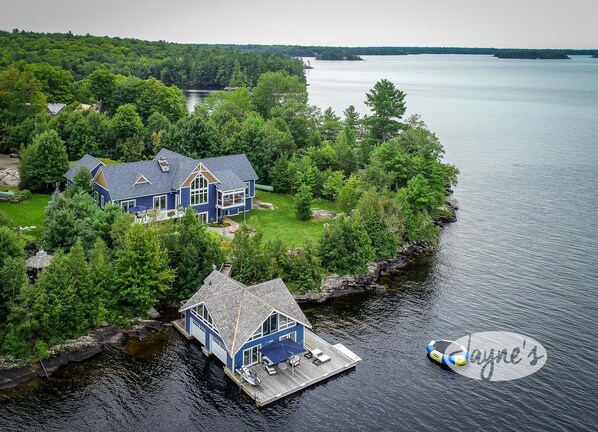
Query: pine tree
[{"x": 303, "y": 200}]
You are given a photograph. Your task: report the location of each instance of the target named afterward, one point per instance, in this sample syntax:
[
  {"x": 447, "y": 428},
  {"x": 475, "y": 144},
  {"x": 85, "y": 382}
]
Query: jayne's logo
[{"x": 500, "y": 356}]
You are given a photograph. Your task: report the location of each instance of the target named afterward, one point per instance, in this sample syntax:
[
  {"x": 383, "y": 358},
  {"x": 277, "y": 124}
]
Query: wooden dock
[{"x": 289, "y": 380}]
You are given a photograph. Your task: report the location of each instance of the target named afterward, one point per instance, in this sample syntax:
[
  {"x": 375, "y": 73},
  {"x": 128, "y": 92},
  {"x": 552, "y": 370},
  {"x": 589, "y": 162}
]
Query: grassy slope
[
  {"x": 28, "y": 213},
  {"x": 282, "y": 221}
]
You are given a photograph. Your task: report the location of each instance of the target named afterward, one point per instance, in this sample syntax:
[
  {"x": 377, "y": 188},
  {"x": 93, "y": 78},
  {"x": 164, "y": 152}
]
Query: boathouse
[
  {"x": 234, "y": 321},
  {"x": 261, "y": 328}
]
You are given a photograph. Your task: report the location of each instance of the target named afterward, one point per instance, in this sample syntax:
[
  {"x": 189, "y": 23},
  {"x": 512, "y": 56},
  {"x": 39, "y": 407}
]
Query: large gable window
[
  {"x": 270, "y": 325},
  {"x": 285, "y": 322},
  {"x": 199, "y": 190}
]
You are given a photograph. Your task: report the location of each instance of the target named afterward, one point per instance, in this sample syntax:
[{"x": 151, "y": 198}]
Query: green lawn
[
  {"x": 282, "y": 221},
  {"x": 28, "y": 213}
]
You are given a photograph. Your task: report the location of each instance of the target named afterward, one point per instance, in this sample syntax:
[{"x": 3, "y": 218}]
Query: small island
[
  {"x": 532, "y": 55},
  {"x": 337, "y": 54}
]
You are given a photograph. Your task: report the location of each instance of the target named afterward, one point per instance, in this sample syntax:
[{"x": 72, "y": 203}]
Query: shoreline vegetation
[
  {"x": 532, "y": 55},
  {"x": 382, "y": 174}
]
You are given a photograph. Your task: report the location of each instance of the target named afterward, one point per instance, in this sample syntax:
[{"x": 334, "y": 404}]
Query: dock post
[{"x": 44, "y": 368}]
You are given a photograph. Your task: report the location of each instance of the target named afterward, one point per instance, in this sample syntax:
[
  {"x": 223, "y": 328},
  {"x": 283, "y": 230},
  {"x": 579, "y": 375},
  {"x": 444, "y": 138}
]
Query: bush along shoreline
[{"x": 335, "y": 285}]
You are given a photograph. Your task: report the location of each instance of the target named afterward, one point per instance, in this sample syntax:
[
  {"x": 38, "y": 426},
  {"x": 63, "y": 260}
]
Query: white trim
[
  {"x": 291, "y": 335},
  {"x": 200, "y": 190},
  {"x": 206, "y": 214},
  {"x": 102, "y": 201},
  {"x": 248, "y": 183},
  {"x": 165, "y": 202},
  {"x": 141, "y": 176},
  {"x": 259, "y": 354},
  {"x": 128, "y": 201}
]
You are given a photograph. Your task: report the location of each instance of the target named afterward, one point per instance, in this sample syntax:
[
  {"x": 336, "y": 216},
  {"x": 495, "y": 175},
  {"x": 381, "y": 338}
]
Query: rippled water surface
[{"x": 522, "y": 258}]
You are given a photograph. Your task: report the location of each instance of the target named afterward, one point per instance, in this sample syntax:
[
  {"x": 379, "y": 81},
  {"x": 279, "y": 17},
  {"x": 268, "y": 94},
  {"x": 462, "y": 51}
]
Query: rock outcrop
[
  {"x": 13, "y": 373},
  {"x": 10, "y": 177}
]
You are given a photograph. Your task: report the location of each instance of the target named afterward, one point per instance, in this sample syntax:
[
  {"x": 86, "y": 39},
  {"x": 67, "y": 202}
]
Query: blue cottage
[
  {"x": 233, "y": 321},
  {"x": 214, "y": 187}
]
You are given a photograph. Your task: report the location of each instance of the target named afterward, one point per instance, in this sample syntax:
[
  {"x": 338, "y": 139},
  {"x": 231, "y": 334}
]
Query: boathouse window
[
  {"x": 251, "y": 355},
  {"x": 292, "y": 336},
  {"x": 201, "y": 312},
  {"x": 257, "y": 334},
  {"x": 285, "y": 322},
  {"x": 270, "y": 325},
  {"x": 199, "y": 190}
]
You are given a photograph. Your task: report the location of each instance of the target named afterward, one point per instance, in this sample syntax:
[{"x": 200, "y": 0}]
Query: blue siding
[
  {"x": 100, "y": 190},
  {"x": 209, "y": 333},
  {"x": 95, "y": 171},
  {"x": 265, "y": 340}
]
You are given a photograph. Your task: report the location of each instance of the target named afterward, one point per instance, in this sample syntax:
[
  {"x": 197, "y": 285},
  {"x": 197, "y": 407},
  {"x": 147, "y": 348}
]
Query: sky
[{"x": 463, "y": 23}]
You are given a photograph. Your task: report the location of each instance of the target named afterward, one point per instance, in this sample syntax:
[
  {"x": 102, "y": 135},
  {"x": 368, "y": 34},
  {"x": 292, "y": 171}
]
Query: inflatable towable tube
[{"x": 447, "y": 352}]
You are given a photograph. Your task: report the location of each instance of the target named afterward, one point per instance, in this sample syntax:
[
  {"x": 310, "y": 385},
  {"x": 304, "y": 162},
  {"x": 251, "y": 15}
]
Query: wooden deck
[{"x": 289, "y": 381}]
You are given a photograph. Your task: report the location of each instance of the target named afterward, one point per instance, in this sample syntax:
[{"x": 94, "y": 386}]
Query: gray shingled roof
[
  {"x": 237, "y": 310},
  {"x": 238, "y": 163},
  {"x": 228, "y": 180},
  {"x": 121, "y": 179},
  {"x": 231, "y": 171},
  {"x": 87, "y": 161}
]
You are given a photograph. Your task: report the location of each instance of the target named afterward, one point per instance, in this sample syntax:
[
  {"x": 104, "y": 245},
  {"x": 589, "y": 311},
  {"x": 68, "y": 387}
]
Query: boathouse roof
[{"x": 238, "y": 310}]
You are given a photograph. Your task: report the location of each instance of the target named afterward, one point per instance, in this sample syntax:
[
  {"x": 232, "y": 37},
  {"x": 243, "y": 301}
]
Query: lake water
[{"x": 521, "y": 258}]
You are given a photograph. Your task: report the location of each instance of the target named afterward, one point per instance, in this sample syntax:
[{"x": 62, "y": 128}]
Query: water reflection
[{"x": 195, "y": 97}]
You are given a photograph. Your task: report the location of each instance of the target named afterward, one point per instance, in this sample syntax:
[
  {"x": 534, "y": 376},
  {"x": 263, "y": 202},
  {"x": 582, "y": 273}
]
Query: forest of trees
[
  {"x": 187, "y": 66},
  {"x": 385, "y": 171}
]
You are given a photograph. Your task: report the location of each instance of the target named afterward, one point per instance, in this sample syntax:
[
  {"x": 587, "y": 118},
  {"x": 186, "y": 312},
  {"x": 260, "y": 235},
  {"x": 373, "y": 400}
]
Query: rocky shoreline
[
  {"x": 336, "y": 286},
  {"x": 13, "y": 373}
]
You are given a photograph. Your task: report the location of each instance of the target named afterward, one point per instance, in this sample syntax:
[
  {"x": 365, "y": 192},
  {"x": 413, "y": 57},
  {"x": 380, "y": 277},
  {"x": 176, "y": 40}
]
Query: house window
[
  {"x": 203, "y": 217},
  {"x": 102, "y": 201},
  {"x": 252, "y": 355},
  {"x": 199, "y": 190},
  {"x": 270, "y": 325},
  {"x": 285, "y": 322},
  {"x": 126, "y": 205},
  {"x": 160, "y": 202},
  {"x": 231, "y": 199},
  {"x": 247, "y": 189},
  {"x": 96, "y": 196},
  {"x": 292, "y": 336}
]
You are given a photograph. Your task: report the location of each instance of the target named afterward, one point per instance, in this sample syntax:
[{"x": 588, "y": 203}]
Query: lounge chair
[
  {"x": 321, "y": 359},
  {"x": 313, "y": 353},
  {"x": 269, "y": 367}
]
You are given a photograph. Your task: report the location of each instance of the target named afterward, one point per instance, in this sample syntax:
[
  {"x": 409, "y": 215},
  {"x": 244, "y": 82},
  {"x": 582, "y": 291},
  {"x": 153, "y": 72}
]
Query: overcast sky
[{"x": 469, "y": 23}]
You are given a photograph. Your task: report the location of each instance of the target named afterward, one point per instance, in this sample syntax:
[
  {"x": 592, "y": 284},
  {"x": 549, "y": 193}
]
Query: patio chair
[
  {"x": 294, "y": 361},
  {"x": 321, "y": 359},
  {"x": 269, "y": 367},
  {"x": 311, "y": 353}
]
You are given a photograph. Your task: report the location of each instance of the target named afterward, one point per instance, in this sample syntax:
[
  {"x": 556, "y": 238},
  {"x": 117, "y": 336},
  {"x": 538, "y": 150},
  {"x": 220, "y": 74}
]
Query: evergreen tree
[
  {"x": 345, "y": 247},
  {"x": 303, "y": 201},
  {"x": 388, "y": 106},
  {"x": 246, "y": 256},
  {"x": 142, "y": 271},
  {"x": 82, "y": 182},
  {"x": 305, "y": 269},
  {"x": 198, "y": 252},
  {"x": 101, "y": 276}
]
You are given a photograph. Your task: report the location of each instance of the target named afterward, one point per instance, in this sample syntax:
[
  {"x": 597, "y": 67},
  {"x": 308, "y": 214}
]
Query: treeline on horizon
[{"x": 186, "y": 66}]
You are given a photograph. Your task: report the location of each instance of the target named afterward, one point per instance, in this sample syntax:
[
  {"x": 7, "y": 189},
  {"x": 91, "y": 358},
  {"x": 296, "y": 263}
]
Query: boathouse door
[
  {"x": 218, "y": 349},
  {"x": 198, "y": 332}
]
